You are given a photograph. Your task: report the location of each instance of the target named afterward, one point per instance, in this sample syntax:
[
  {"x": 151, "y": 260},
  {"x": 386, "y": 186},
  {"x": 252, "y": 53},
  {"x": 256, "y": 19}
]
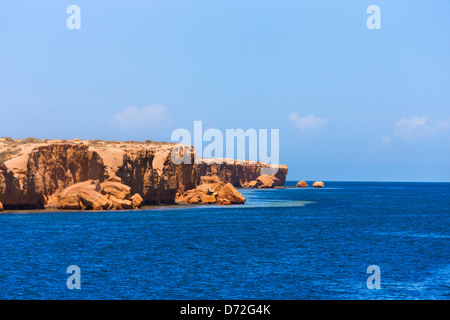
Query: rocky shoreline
[{"x": 106, "y": 175}]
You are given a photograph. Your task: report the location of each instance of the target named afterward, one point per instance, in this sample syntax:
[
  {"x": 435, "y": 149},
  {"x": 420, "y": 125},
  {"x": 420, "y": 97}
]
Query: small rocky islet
[{"x": 304, "y": 184}]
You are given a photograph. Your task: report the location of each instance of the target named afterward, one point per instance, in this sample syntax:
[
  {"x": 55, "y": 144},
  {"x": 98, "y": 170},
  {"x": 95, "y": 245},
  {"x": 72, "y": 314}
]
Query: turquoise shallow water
[{"x": 282, "y": 244}]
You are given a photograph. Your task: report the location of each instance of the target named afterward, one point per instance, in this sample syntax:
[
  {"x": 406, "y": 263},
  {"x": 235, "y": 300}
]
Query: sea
[{"x": 286, "y": 243}]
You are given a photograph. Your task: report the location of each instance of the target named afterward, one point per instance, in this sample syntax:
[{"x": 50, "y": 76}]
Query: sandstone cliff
[
  {"x": 32, "y": 170},
  {"x": 239, "y": 173}
]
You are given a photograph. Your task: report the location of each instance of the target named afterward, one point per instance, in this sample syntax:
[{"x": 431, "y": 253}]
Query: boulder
[
  {"x": 207, "y": 199},
  {"x": 101, "y": 203},
  {"x": 195, "y": 199},
  {"x": 318, "y": 184},
  {"x": 97, "y": 206},
  {"x": 210, "y": 188},
  {"x": 302, "y": 184},
  {"x": 97, "y": 196},
  {"x": 230, "y": 193},
  {"x": 223, "y": 202},
  {"x": 252, "y": 184},
  {"x": 117, "y": 189},
  {"x": 90, "y": 198},
  {"x": 81, "y": 195},
  {"x": 266, "y": 181},
  {"x": 89, "y": 184},
  {"x": 190, "y": 196},
  {"x": 212, "y": 193},
  {"x": 136, "y": 200},
  {"x": 69, "y": 202},
  {"x": 120, "y": 204}
]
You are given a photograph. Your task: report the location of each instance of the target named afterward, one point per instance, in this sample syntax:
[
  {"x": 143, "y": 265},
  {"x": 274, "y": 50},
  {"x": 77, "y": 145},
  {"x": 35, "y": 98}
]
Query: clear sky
[{"x": 351, "y": 103}]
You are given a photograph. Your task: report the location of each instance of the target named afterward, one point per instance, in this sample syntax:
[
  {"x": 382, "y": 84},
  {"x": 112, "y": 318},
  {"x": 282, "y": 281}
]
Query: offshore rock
[
  {"x": 302, "y": 184},
  {"x": 266, "y": 181},
  {"x": 318, "y": 184}
]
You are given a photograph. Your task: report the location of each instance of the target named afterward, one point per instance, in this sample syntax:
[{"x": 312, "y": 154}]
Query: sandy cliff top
[{"x": 14, "y": 153}]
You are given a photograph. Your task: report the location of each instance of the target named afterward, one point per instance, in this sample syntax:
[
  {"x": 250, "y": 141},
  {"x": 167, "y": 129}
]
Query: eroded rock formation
[
  {"x": 29, "y": 179},
  {"x": 239, "y": 173},
  {"x": 318, "y": 184},
  {"x": 302, "y": 184},
  {"x": 264, "y": 181},
  {"x": 33, "y": 171},
  {"x": 92, "y": 194},
  {"x": 212, "y": 192},
  {"x": 41, "y": 169}
]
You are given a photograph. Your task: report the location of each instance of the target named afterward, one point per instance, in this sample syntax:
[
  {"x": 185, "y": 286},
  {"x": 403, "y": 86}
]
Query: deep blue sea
[{"x": 282, "y": 244}]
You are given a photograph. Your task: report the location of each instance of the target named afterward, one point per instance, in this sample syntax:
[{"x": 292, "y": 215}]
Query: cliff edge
[{"x": 32, "y": 170}]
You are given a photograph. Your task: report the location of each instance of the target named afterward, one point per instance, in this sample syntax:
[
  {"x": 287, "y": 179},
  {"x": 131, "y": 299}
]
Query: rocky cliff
[
  {"x": 33, "y": 170},
  {"x": 240, "y": 173}
]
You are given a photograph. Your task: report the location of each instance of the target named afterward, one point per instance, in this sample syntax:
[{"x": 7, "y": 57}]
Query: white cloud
[
  {"x": 148, "y": 117},
  {"x": 307, "y": 122},
  {"x": 415, "y": 127},
  {"x": 407, "y": 126}
]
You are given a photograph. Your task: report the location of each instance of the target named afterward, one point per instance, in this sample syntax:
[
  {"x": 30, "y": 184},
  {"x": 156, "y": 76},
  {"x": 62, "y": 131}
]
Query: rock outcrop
[
  {"x": 302, "y": 184},
  {"x": 264, "y": 181},
  {"x": 136, "y": 200},
  {"x": 116, "y": 189},
  {"x": 10, "y": 189},
  {"x": 94, "y": 195},
  {"x": 28, "y": 180},
  {"x": 38, "y": 170},
  {"x": 251, "y": 184},
  {"x": 318, "y": 184},
  {"x": 152, "y": 174},
  {"x": 239, "y": 173},
  {"x": 33, "y": 172},
  {"x": 212, "y": 193}
]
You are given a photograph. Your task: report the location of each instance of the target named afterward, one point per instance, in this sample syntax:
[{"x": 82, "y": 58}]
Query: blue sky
[{"x": 351, "y": 103}]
